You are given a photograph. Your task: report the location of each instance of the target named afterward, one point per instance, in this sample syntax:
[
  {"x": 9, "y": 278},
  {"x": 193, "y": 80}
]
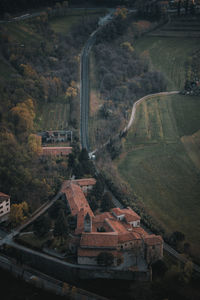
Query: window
[
  {"x": 7, "y": 204},
  {"x": 7, "y": 200},
  {"x": 153, "y": 247},
  {"x": 121, "y": 246},
  {"x": 1, "y": 206}
]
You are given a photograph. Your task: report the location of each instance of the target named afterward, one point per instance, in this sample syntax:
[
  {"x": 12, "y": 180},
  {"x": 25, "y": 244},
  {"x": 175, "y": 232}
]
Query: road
[
  {"x": 84, "y": 91},
  {"x": 84, "y": 82},
  {"x": 84, "y": 123}
]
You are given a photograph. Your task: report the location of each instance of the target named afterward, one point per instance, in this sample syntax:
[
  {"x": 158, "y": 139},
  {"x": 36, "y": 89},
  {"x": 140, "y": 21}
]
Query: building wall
[
  {"x": 4, "y": 207},
  {"x": 154, "y": 253},
  {"x": 135, "y": 223},
  {"x": 84, "y": 260}
]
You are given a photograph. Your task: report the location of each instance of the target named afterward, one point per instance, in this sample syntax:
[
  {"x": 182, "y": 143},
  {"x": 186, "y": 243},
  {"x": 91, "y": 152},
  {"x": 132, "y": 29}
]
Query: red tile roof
[
  {"x": 153, "y": 239},
  {"x": 85, "y": 181},
  {"x": 76, "y": 199},
  {"x": 99, "y": 240},
  {"x": 129, "y": 214},
  {"x": 56, "y": 150}
]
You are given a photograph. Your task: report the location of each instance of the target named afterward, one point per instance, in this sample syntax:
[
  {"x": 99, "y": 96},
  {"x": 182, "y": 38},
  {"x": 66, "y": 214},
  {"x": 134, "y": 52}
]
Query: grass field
[
  {"x": 169, "y": 55},
  {"x": 53, "y": 116},
  {"x": 63, "y": 24},
  {"x": 157, "y": 165},
  {"x": 161, "y": 161}
]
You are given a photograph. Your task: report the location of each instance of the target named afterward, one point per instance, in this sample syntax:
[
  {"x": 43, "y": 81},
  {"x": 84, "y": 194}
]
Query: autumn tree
[
  {"x": 34, "y": 144},
  {"x": 23, "y": 115},
  {"x": 71, "y": 91},
  {"x": 18, "y": 213},
  {"x": 121, "y": 12}
]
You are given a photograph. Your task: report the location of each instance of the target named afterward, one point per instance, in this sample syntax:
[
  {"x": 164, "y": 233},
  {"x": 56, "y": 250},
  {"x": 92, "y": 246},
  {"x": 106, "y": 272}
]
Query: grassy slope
[
  {"x": 63, "y": 24},
  {"x": 169, "y": 55},
  {"x": 158, "y": 168},
  {"x": 155, "y": 163}
]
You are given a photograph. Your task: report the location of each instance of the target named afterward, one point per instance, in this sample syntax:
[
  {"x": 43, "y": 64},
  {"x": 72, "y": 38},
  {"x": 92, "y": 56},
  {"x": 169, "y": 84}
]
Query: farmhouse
[
  {"x": 116, "y": 232},
  {"x": 4, "y": 206},
  {"x": 56, "y": 136}
]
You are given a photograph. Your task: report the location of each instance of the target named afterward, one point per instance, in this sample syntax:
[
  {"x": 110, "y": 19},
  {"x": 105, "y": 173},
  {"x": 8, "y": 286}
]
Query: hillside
[
  {"x": 160, "y": 159},
  {"x": 39, "y": 84}
]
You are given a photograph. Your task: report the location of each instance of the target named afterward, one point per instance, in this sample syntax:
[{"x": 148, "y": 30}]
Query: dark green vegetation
[
  {"x": 38, "y": 91},
  {"x": 119, "y": 75},
  {"x": 160, "y": 161},
  {"x": 13, "y": 6},
  {"x": 171, "y": 58},
  {"x": 21, "y": 290}
]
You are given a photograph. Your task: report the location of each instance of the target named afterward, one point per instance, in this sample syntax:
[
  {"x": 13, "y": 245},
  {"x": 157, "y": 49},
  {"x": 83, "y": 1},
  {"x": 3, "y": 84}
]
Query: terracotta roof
[
  {"x": 56, "y": 150},
  {"x": 116, "y": 226},
  {"x": 153, "y": 239},
  {"x": 99, "y": 240},
  {"x": 129, "y": 214},
  {"x": 127, "y": 237},
  {"x": 101, "y": 217},
  {"x": 118, "y": 211},
  {"x": 93, "y": 252},
  {"x": 76, "y": 199},
  {"x": 85, "y": 181}
]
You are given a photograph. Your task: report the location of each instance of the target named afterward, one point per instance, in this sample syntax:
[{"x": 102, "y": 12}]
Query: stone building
[{"x": 117, "y": 232}]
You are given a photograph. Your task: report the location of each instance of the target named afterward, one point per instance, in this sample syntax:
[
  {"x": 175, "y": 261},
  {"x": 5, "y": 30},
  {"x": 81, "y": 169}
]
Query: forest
[
  {"x": 122, "y": 75},
  {"x": 41, "y": 67},
  {"x": 14, "y": 6}
]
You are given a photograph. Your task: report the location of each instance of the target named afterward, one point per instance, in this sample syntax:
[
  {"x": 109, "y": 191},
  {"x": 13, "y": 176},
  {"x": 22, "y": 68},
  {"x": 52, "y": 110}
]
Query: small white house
[{"x": 4, "y": 206}]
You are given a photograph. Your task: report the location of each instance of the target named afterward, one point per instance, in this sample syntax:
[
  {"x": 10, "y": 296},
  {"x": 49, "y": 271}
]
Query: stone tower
[{"x": 87, "y": 223}]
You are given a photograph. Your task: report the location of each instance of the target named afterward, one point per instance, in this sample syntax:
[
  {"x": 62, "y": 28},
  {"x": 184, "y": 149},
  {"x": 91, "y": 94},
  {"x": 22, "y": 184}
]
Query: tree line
[{"x": 42, "y": 68}]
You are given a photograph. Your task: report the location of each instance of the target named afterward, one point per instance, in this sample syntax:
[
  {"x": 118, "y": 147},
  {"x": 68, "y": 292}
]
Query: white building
[{"x": 4, "y": 206}]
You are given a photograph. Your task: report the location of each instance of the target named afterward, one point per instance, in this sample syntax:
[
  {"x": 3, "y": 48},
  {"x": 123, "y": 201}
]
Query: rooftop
[
  {"x": 99, "y": 240},
  {"x": 76, "y": 199},
  {"x": 85, "y": 181},
  {"x": 128, "y": 213}
]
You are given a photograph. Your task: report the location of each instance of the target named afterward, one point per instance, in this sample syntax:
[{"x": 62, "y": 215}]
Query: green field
[
  {"x": 52, "y": 116},
  {"x": 159, "y": 169},
  {"x": 169, "y": 55},
  {"x": 64, "y": 23},
  {"x": 161, "y": 161}
]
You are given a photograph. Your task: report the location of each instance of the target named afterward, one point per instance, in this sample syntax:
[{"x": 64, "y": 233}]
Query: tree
[
  {"x": 106, "y": 203},
  {"x": 61, "y": 227},
  {"x": 159, "y": 268},
  {"x": 98, "y": 189},
  {"x": 54, "y": 210},
  {"x": 105, "y": 259},
  {"x": 18, "y": 213},
  {"x": 176, "y": 237},
  {"x": 34, "y": 144},
  {"x": 41, "y": 226}
]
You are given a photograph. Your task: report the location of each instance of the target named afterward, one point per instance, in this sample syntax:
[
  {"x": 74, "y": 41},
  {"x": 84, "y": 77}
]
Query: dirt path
[{"x": 133, "y": 113}]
